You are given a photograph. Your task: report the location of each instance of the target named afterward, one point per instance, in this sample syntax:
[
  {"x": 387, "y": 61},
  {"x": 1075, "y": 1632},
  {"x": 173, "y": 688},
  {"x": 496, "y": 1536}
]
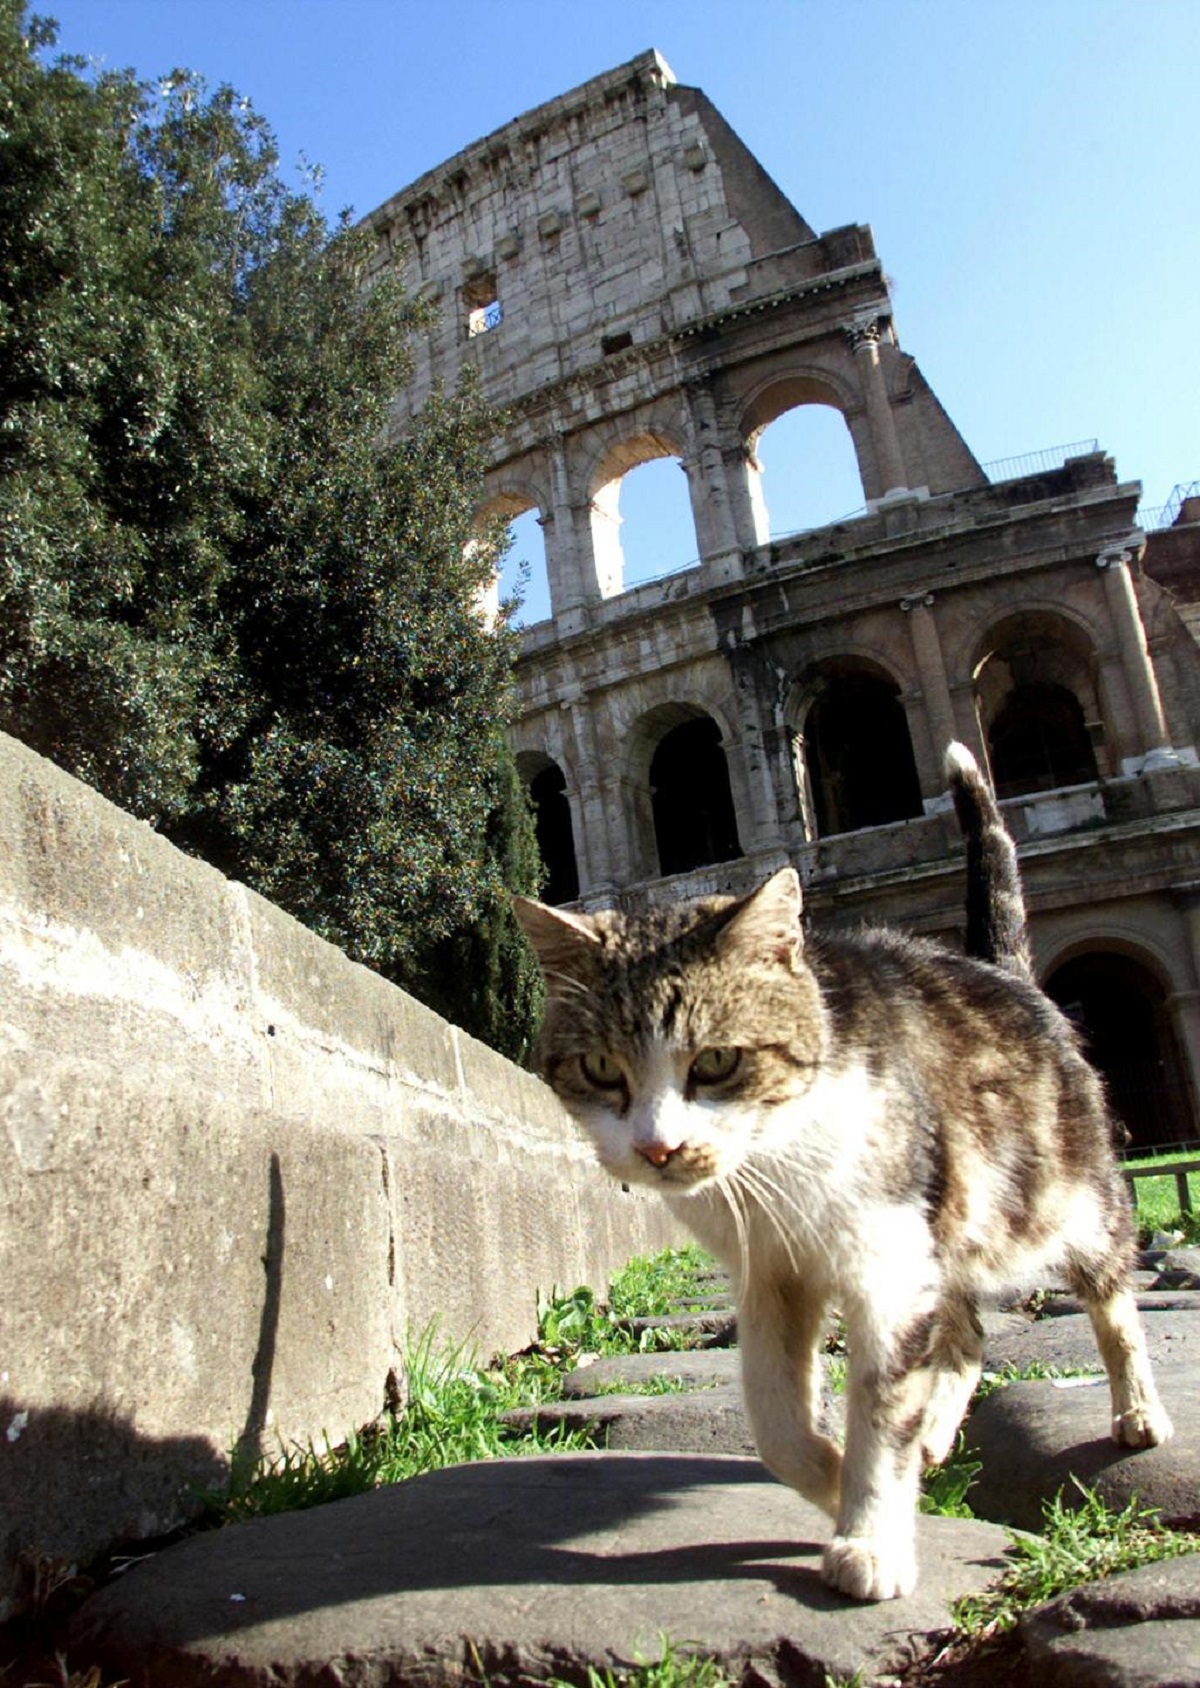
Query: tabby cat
[{"x": 867, "y": 1122}]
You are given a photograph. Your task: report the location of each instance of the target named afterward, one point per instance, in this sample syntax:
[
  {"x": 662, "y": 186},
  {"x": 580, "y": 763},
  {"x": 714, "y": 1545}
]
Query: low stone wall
[{"x": 236, "y": 1170}]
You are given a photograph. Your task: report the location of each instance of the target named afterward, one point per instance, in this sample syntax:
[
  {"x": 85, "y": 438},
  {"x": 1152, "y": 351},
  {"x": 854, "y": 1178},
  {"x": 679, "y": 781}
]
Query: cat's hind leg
[
  {"x": 1139, "y": 1419},
  {"x": 957, "y": 1364},
  {"x": 779, "y": 1332}
]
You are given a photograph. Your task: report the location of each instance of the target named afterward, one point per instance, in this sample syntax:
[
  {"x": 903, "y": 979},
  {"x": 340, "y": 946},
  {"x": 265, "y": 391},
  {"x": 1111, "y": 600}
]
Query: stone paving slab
[
  {"x": 519, "y": 1569},
  {"x": 1137, "y": 1630},
  {"x": 694, "y": 1368},
  {"x": 1172, "y": 1339},
  {"x": 706, "y": 1330},
  {"x": 1032, "y": 1438},
  {"x": 693, "y": 1421},
  {"x": 1149, "y": 1301}
]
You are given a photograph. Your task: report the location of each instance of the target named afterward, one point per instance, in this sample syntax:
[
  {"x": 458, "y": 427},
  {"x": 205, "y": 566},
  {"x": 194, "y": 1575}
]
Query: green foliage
[
  {"x": 451, "y": 1415},
  {"x": 1079, "y": 1544},
  {"x": 944, "y": 1487},
  {"x": 646, "y": 1288},
  {"x": 1035, "y": 1371},
  {"x": 223, "y": 600},
  {"x": 672, "y": 1669},
  {"x": 1157, "y": 1199}
]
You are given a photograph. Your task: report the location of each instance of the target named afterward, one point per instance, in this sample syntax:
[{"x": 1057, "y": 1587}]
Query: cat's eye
[
  {"x": 711, "y": 1066},
  {"x": 601, "y": 1070}
]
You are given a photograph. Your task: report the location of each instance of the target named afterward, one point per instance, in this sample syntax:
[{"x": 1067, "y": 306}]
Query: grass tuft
[
  {"x": 672, "y": 1669},
  {"x": 570, "y": 1323},
  {"x": 451, "y": 1416},
  {"x": 1079, "y": 1545}
]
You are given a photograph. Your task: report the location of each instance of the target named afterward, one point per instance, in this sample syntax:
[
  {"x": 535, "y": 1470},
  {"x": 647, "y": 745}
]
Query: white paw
[
  {"x": 1142, "y": 1427},
  {"x": 868, "y": 1569}
]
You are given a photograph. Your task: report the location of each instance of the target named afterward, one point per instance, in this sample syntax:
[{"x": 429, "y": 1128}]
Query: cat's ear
[
  {"x": 767, "y": 925},
  {"x": 563, "y": 943}
]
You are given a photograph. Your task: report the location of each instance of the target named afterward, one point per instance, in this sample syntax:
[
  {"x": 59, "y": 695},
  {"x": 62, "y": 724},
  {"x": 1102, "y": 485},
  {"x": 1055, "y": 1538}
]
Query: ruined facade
[{"x": 630, "y": 284}]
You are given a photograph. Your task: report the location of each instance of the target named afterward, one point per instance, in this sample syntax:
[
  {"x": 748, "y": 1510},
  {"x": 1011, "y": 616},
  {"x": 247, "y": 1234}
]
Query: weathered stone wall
[{"x": 235, "y": 1170}]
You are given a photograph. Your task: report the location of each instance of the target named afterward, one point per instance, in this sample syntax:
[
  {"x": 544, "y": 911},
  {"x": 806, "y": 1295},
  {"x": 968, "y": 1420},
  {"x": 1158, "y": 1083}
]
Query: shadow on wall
[{"x": 72, "y": 1482}]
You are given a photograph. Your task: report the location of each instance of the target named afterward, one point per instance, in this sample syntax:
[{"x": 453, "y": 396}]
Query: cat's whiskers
[
  {"x": 769, "y": 1197},
  {"x": 565, "y": 984}
]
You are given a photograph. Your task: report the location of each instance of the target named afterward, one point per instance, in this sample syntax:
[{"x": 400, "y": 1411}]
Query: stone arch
[
  {"x": 784, "y": 392},
  {"x": 680, "y": 776},
  {"x": 614, "y": 460},
  {"x": 553, "y": 825},
  {"x": 854, "y": 754},
  {"x": 506, "y": 504},
  {"x": 1118, "y": 996},
  {"x": 787, "y": 387},
  {"x": 1039, "y": 703}
]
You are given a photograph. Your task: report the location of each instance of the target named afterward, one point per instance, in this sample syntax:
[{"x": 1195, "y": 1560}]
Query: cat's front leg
[
  {"x": 779, "y": 1331},
  {"x": 873, "y": 1554}
]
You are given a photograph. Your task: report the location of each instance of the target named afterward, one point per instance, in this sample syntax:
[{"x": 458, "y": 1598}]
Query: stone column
[
  {"x": 599, "y": 855},
  {"x": 569, "y": 557},
  {"x": 863, "y": 336},
  {"x": 931, "y": 669},
  {"x": 1135, "y": 652},
  {"x": 712, "y": 512}
]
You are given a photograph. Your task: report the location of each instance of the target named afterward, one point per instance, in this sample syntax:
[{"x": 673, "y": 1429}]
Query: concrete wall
[{"x": 235, "y": 1170}]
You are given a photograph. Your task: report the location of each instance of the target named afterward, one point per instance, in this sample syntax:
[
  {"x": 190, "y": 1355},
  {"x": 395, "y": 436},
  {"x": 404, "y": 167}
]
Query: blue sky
[{"x": 1028, "y": 168}]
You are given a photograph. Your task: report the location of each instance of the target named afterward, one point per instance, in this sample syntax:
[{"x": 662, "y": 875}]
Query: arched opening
[
  {"x": 658, "y": 535},
  {"x": 1119, "y": 1006},
  {"x": 1038, "y": 741},
  {"x": 694, "y": 820},
  {"x": 523, "y": 573},
  {"x": 857, "y": 752},
  {"x": 642, "y": 524},
  {"x": 810, "y": 474},
  {"x": 554, "y": 831},
  {"x": 1039, "y": 705}
]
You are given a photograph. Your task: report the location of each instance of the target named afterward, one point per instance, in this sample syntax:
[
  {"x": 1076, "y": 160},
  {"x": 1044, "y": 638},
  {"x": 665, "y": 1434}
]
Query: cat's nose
[{"x": 657, "y": 1154}]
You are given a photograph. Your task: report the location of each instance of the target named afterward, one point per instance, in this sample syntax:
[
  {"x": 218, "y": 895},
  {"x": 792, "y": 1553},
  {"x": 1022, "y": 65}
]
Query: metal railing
[
  {"x": 1037, "y": 462},
  {"x": 1163, "y": 515}
]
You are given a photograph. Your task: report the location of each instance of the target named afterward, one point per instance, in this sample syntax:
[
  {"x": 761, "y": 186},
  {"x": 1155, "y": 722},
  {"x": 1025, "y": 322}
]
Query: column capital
[{"x": 864, "y": 332}]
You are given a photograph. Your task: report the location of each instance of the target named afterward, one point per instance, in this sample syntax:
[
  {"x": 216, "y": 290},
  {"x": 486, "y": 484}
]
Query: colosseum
[{"x": 630, "y": 284}]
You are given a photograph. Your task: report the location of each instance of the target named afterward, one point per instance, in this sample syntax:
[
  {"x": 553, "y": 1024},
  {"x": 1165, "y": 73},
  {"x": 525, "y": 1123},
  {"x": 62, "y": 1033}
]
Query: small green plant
[
  {"x": 944, "y": 1487},
  {"x": 451, "y": 1415},
  {"x": 672, "y": 1669},
  {"x": 1079, "y": 1544},
  {"x": 1035, "y": 1372},
  {"x": 645, "y": 1288},
  {"x": 652, "y": 1386}
]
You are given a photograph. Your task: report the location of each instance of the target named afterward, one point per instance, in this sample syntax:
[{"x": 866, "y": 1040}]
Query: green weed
[
  {"x": 575, "y": 1321},
  {"x": 1078, "y": 1545},
  {"x": 451, "y": 1415},
  {"x": 1035, "y": 1372},
  {"x": 944, "y": 1487},
  {"x": 672, "y": 1669}
]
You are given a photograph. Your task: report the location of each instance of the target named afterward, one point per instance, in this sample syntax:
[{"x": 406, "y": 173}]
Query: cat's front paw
[
  {"x": 1143, "y": 1426},
  {"x": 869, "y": 1569}
]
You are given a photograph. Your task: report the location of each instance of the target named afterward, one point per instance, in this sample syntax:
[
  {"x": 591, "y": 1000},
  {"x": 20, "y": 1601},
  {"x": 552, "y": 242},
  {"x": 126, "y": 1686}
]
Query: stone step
[
  {"x": 1172, "y": 1338},
  {"x": 1034, "y": 1438},
  {"x": 522, "y": 1570},
  {"x": 1137, "y": 1630},
  {"x": 716, "y": 1329}
]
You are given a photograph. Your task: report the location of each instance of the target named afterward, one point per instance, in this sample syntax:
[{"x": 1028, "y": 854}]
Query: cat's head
[{"x": 676, "y": 1036}]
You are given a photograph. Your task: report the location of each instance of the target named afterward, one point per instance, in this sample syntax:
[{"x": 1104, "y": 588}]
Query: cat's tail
[{"x": 996, "y": 925}]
